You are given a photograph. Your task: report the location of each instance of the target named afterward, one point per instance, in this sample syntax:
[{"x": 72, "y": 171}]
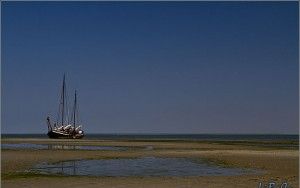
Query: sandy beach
[{"x": 278, "y": 164}]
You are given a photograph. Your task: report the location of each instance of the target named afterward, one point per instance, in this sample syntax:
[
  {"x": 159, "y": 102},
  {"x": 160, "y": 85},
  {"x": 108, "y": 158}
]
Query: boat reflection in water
[
  {"x": 145, "y": 166},
  {"x": 71, "y": 169},
  {"x": 63, "y": 147},
  {"x": 65, "y": 168},
  {"x": 77, "y": 147}
]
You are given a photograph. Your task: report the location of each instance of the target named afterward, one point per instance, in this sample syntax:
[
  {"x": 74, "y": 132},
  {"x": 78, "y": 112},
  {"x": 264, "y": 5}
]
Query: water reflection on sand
[
  {"x": 60, "y": 147},
  {"x": 145, "y": 166}
]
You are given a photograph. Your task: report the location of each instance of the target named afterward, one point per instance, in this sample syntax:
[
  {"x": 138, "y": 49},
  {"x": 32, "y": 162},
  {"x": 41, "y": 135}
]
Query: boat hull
[{"x": 61, "y": 135}]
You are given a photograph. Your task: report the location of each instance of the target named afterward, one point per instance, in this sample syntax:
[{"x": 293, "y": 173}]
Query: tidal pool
[
  {"x": 60, "y": 147},
  {"x": 147, "y": 166},
  {"x": 23, "y": 146}
]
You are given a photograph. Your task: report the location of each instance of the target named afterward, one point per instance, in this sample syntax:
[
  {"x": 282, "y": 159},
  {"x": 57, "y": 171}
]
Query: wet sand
[{"x": 279, "y": 164}]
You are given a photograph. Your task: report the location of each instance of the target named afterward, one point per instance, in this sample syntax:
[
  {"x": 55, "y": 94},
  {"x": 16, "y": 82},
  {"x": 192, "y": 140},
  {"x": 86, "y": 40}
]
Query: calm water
[
  {"x": 147, "y": 166},
  {"x": 60, "y": 147},
  {"x": 224, "y": 137}
]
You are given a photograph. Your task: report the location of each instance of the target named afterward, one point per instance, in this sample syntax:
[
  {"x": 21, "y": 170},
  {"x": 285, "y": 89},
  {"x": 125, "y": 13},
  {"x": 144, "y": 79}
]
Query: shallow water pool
[
  {"x": 60, "y": 147},
  {"x": 146, "y": 166}
]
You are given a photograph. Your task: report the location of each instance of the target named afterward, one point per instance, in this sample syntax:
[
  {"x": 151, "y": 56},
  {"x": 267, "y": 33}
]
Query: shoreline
[{"x": 280, "y": 164}]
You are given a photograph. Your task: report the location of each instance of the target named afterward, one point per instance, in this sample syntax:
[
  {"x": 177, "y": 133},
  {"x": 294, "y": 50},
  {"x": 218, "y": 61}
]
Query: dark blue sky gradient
[{"x": 152, "y": 67}]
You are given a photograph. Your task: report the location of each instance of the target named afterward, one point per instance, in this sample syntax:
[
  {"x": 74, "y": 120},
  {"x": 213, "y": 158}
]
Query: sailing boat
[{"x": 64, "y": 129}]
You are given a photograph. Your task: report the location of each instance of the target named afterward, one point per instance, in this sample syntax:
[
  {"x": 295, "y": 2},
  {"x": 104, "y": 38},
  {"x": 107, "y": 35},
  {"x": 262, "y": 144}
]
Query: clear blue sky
[{"x": 152, "y": 67}]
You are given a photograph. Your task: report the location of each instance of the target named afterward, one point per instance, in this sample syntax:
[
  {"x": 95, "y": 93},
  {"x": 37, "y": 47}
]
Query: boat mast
[
  {"x": 63, "y": 101},
  {"x": 74, "y": 112}
]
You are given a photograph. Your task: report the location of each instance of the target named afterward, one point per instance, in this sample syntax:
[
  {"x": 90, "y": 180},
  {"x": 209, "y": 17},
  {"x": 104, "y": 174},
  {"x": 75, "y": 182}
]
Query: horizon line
[{"x": 164, "y": 133}]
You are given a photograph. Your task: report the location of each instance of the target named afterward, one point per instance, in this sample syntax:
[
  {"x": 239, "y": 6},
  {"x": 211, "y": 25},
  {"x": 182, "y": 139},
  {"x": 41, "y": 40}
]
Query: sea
[{"x": 189, "y": 137}]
